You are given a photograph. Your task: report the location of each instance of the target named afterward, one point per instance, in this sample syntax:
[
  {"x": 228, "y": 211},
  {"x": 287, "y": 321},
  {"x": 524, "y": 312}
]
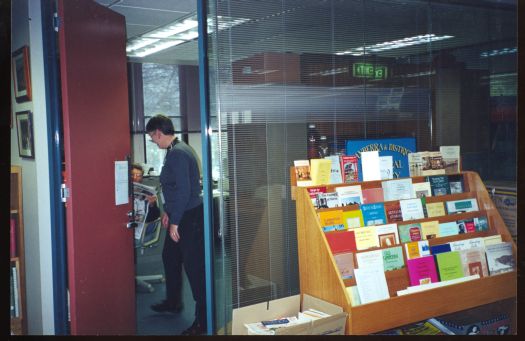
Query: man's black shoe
[
  {"x": 194, "y": 329},
  {"x": 166, "y": 307}
]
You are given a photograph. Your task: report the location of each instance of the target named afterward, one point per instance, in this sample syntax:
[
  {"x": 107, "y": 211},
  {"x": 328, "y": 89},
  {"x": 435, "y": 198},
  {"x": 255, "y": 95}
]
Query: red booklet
[
  {"x": 349, "y": 168},
  {"x": 341, "y": 241},
  {"x": 393, "y": 212},
  {"x": 372, "y": 195}
]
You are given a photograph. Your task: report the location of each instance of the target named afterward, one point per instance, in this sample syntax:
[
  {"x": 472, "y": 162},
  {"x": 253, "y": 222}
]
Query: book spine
[
  {"x": 12, "y": 230},
  {"x": 15, "y": 290},
  {"x": 12, "y": 295}
]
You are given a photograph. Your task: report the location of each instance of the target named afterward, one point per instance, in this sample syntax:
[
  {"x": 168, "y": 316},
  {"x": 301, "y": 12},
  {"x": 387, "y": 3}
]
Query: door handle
[{"x": 131, "y": 225}]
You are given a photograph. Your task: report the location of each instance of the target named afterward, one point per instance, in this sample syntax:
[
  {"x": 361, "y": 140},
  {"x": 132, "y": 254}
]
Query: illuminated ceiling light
[
  {"x": 394, "y": 44},
  {"x": 157, "y": 47},
  {"x": 172, "y": 34},
  {"x": 500, "y": 52}
]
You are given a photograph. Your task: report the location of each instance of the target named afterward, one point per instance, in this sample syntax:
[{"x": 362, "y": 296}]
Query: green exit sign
[{"x": 371, "y": 71}]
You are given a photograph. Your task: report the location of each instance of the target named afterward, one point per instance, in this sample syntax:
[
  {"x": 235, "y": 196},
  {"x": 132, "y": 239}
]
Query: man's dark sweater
[{"x": 180, "y": 181}]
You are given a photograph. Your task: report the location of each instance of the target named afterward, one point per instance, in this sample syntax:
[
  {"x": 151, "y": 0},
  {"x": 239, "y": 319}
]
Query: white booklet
[
  {"x": 370, "y": 259},
  {"x": 421, "y": 189},
  {"x": 466, "y": 244},
  {"x": 411, "y": 209},
  {"x": 371, "y": 284},
  {"x": 335, "y": 173},
  {"x": 451, "y": 158},
  {"x": 386, "y": 167},
  {"x": 349, "y": 195},
  {"x": 387, "y": 235},
  {"x": 397, "y": 189}
]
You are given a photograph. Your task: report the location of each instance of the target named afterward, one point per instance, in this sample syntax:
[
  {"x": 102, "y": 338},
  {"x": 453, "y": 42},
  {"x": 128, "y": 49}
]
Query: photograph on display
[
  {"x": 24, "y": 124},
  {"x": 21, "y": 75}
]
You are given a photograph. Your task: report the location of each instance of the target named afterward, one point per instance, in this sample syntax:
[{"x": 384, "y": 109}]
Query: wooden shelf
[
  {"x": 18, "y": 324},
  {"x": 319, "y": 275}
]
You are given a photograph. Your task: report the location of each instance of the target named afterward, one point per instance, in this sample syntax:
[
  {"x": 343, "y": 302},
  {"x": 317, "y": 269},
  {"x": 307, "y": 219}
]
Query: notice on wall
[{"x": 121, "y": 182}]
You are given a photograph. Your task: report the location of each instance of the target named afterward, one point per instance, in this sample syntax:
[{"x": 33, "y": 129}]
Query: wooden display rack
[
  {"x": 320, "y": 277},
  {"x": 18, "y": 324}
]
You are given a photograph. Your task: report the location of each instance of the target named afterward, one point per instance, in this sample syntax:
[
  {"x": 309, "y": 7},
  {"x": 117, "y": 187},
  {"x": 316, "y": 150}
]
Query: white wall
[{"x": 26, "y": 30}]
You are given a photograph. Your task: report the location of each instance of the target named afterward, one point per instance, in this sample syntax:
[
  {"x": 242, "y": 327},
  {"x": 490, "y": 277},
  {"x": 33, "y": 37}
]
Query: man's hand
[
  {"x": 165, "y": 220},
  {"x": 174, "y": 232},
  {"x": 151, "y": 199}
]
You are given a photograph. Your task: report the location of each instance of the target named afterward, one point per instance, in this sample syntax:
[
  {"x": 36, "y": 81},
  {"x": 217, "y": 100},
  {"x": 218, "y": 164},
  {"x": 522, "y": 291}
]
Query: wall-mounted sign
[
  {"x": 397, "y": 147},
  {"x": 369, "y": 70}
]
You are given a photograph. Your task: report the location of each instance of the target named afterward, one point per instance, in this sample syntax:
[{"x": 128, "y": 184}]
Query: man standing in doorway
[{"x": 183, "y": 212}]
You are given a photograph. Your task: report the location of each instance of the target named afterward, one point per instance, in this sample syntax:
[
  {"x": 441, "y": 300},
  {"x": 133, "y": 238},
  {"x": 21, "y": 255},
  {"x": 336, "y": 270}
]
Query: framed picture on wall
[
  {"x": 21, "y": 74},
  {"x": 24, "y": 126}
]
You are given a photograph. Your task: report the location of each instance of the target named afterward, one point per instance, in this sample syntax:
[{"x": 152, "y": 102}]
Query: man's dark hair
[
  {"x": 137, "y": 166},
  {"x": 162, "y": 123}
]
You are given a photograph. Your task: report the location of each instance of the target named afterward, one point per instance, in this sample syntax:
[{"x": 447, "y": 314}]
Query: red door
[{"x": 92, "y": 42}]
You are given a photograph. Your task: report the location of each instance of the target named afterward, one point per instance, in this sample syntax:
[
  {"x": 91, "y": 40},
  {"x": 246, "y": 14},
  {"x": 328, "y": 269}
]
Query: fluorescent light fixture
[
  {"x": 394, "y": 44},
  {"x": 180, "y": 31},
  {"x": 500, "y": 52}
]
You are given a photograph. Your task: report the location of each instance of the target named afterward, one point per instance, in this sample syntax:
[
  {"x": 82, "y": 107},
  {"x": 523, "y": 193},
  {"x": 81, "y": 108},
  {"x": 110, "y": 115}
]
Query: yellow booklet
[
  {"x": 365, "y": 237},
  {"x": 430, "y": 229},
  {"x": 435, "y": 209},
  {"x": 320, "y": 171},
  {"x": 412, "y": 250},
  {"x": 330, "y": 218},
  {"x": 353, "y": 219}
]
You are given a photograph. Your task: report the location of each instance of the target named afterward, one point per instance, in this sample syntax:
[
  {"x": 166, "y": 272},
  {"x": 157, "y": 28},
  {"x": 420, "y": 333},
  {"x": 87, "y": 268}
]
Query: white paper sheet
[
  {"x": 371, "y": 284},
  {"x": 370, "y": 166},
  {"x": 121, "y": 182}
]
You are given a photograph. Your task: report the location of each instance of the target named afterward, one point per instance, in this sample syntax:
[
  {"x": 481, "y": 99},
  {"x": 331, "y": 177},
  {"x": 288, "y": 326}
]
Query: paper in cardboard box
[{"x": 290, "y": 306}]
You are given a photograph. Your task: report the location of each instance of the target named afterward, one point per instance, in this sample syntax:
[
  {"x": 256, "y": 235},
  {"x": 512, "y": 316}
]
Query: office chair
[{"x": 149, "y": 238}]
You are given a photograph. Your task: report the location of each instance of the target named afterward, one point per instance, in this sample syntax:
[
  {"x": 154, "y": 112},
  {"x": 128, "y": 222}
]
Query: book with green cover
[
  {"x": 449, "y": 265},
  {"x": 393, "y": 258},
  {"x": 410, "y": 232}
]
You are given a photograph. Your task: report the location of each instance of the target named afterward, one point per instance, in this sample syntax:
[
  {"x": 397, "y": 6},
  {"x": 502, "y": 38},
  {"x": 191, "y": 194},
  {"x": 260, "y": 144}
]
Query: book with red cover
[
  {"x": 422, "y": 270},
  {"x": 372, "y": 195},
  {"x": 12, "y": 230},
  {"x": 350, "y": 172},
  {"x": 393, "y": 212},
  {"x": 312, "y": 191},
  {"x": 341, "y": 241}
]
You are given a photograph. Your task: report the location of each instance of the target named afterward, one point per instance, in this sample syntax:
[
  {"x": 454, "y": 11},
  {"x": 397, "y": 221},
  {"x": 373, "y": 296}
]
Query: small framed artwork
[
  {"x": 24, "y": 126},
  {"x": 21, "y": 74}
]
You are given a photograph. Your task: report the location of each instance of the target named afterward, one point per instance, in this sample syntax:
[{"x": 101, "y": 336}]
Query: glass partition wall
[{"x": 285, "y": 73}]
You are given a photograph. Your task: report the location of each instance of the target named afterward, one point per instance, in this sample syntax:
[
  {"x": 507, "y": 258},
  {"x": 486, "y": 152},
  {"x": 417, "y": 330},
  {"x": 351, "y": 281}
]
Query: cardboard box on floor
[{"x": 290, "y": 306}]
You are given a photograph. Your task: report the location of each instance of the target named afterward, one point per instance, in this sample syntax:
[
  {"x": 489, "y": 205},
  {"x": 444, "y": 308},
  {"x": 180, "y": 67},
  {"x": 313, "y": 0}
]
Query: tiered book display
[
  {"x": 320, "y": 275},
  {"x": 17, "y": 267}
]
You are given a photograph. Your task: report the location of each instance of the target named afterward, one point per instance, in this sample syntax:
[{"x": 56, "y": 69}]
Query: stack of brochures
[{"x": 269, "y": 327}]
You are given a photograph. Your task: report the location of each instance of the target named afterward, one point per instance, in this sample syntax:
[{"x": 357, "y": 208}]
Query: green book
[
  {"x": 409, "y": 232},
  {"x": 393, "y": 258},
  {"x": 449, "y": 265}
]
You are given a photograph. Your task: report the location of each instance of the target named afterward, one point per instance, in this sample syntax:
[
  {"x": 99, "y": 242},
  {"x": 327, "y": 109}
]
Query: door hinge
[
  {"x": 64, "y": 192},
  {"x": 56, "y": 22}
]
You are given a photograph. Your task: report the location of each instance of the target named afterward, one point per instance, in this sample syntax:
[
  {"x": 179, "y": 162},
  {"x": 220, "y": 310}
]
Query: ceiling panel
[{"x": 306, "y": 28}]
